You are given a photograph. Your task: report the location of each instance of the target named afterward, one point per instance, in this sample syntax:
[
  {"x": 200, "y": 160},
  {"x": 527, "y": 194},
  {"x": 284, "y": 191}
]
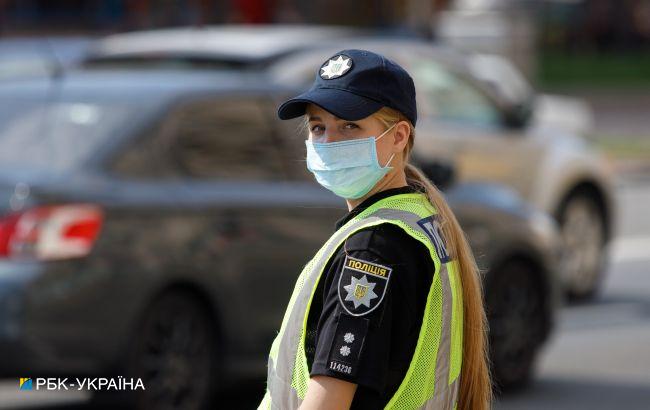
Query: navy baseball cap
[{"x": 352, "y": 84}]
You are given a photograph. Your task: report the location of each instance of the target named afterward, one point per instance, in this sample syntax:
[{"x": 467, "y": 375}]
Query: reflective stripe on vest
[{"x": 428, "y": 383}]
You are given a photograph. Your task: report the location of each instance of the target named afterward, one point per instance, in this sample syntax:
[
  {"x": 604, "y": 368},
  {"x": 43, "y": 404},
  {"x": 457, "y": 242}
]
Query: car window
[
  {"x": 447, "y": 97},
  {"x": 56, "y": 136},
  {"x": 216, "y": 138}
]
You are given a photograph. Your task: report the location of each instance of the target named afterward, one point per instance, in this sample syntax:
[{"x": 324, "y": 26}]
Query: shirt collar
[{"x": 373, "y": 199}]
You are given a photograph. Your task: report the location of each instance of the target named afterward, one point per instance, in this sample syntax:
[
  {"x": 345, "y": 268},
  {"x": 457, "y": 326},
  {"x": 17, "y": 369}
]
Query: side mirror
[
  {"x": 441, "y": 173},
  {"x": 506, "y": 85},
  {"x": 517, "y": 116}
]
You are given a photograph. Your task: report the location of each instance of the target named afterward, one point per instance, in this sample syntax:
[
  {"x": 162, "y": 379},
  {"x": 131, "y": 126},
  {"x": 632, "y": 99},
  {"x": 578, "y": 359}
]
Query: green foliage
[{"x": 557, "y": 69}]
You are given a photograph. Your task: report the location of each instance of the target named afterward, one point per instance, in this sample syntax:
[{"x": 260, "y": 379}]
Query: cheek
[{"x": 316, "y": 136}]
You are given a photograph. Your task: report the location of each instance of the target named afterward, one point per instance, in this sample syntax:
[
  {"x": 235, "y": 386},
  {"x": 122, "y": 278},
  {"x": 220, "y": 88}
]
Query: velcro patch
[
  {"x": 362, "y": 285},
  {"x": 346, "y": 346}
]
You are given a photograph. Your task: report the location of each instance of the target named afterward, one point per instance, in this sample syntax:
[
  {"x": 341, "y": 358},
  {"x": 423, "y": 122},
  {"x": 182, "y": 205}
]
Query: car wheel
[
  {"x": 515, "y": 307},
  {"x": 583, "y": 237},
  {"x": 174, "y": 354}
]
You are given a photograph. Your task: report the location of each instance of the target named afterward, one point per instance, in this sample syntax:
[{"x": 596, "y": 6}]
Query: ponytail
[{"x": 475, "y": 386}]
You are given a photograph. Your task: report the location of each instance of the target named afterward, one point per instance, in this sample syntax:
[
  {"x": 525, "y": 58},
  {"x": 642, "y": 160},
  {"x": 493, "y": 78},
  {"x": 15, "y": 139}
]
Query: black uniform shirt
[{"x": 365, "y": 317}]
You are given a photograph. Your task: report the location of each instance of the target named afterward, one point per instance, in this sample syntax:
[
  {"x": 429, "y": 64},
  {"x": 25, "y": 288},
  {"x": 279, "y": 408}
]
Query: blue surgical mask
[{"x": 348, "y": 168}]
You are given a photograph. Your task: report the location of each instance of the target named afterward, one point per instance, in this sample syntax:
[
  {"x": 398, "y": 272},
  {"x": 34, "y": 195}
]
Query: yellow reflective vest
[{"x": 432, "y": 379}]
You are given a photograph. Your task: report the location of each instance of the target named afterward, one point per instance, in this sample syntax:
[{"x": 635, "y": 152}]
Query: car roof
[
  {"x": 22, "y": 57},
  {"x": 243, "y": 43},
  {"x": 70, "y": 47},
  {"x": 137, "y": 84}
]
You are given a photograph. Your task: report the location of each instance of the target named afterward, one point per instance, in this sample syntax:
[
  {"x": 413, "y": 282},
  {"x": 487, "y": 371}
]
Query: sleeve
[{"x": 355, "y": 328}]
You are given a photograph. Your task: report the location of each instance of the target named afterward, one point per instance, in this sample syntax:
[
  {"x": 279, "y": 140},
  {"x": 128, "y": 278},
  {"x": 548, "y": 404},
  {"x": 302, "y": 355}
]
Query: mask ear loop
[
  {"x": 389, "y": 160},
  {"x": 382, "y": 134}
]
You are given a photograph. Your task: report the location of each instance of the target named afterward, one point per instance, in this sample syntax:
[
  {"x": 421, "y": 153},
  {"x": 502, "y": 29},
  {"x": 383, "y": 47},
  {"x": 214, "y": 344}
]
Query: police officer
[{"x": 388, "y": 313}]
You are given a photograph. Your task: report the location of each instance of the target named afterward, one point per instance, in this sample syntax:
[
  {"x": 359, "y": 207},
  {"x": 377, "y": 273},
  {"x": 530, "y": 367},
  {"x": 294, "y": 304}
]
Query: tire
[
  {"x": 174, "y": 353},
  {"x": 582, "y": 259},
  {"x": 515, "y": 305}
]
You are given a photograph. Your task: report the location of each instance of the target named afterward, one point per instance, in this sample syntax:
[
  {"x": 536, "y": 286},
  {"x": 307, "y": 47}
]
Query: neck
[{"x": 394, "y": 179}]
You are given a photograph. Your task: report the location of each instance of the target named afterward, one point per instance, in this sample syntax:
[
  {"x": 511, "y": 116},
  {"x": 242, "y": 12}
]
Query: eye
[
  {"x": 350, "y": 125},
  {"x": 317, "y": 128}
]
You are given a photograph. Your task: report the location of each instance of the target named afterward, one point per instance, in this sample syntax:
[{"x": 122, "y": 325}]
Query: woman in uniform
[{"x": 389, "y": 312}]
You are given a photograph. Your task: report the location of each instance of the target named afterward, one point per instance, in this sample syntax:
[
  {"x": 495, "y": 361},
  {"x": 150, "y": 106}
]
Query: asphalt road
[{"x": 599, "y": 357}]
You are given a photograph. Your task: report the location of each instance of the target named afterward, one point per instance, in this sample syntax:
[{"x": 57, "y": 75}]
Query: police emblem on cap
[
  {"x": 336, "y": 67},
  {"x": 362, "y": 285}
]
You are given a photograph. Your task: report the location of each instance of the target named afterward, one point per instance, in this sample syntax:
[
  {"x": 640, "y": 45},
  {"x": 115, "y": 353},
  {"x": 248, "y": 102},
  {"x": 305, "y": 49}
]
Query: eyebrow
[{"x": 317, "y": 118}]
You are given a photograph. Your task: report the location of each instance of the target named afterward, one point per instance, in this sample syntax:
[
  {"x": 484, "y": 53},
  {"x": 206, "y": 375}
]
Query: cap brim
[{"x": 343, "y": 104}]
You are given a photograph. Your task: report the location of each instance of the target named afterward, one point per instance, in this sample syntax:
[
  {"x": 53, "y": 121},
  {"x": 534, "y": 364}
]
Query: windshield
[{"x": 55, "y": 136}]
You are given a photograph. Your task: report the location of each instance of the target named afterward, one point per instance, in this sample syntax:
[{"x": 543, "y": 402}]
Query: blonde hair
[{"x": 475, "y": 385}]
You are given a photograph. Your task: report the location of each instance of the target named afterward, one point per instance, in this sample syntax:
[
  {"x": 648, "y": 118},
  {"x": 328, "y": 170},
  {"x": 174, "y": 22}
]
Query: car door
[
  {"x": 458, "y": 121},
  {"x": 228, "y": 210}
]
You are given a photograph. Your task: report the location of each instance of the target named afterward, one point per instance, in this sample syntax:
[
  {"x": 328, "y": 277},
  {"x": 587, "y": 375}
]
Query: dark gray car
[
  {"x": 475, "y": 110},
  {"x": 153, "y": 224}
]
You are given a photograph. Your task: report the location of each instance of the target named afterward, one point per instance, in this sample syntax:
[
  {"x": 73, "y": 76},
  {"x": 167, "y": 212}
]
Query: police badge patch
[
  {"x": 335, "y": 67},
  {"x": 362, "y": 285}
]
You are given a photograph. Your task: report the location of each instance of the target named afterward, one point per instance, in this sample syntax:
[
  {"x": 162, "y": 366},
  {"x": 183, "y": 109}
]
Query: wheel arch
[{"x": 594, "y": 190}]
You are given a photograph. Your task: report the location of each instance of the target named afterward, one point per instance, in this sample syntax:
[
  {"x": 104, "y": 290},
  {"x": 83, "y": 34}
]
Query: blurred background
[{"x": 154, "y": 213}]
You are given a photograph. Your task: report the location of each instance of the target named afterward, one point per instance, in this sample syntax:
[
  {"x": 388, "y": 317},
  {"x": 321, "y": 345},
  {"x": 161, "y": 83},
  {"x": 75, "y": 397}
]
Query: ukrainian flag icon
[{"x": 25, "y": 383}]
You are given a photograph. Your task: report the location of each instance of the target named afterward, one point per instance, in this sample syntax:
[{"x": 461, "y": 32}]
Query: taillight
[{"x": 50, "y": 232}]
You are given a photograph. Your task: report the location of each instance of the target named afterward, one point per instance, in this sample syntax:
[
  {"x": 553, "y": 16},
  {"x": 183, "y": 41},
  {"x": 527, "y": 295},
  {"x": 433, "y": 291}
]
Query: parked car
[
  {"x": 153, "y": 224},
  {"x": 476, "y": 110}
]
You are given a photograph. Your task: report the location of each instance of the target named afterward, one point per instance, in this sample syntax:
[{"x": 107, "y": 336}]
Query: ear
[{"x": 401, "y": 138}]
